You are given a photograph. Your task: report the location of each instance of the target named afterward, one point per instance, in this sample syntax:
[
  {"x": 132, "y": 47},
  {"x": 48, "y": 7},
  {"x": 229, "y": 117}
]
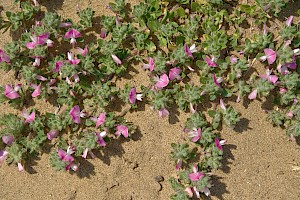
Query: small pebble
[{"x": 159, "y": 178}]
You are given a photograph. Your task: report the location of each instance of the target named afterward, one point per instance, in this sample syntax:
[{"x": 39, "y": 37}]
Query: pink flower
[
  {"x": 72, "y": 34},
  {"x": 35, "y": 2},
  {"x": 41, "y": 78},
  {"x": 65, "y": 24},
  {"x": 270, "y": 55},
  {"x": 76, "y": 114},
  {"x": 189, "y": 191},
  {"x": 178, "y": 165},
  {"x": 222, "y": 105},
  {"x": 289, "y": 21},
  {"x": 211, "y": 62},
  {"x": 195, "y": 134},
  {"x": 217, "y": 81},
  {"x": 163, "y": 112},
  {"x": 162, "y": 81},
  {"x": 58, "y": 65},
  {"x": 37, "y": 90},
  {"x": 189, "y": 51},
  {"x": 271, "y": 78},
  {"x": 150, "y": 64},
  {"x": 219, "y": 143},
  {"x": 3, "y": 155},
  {"x": 116, "y": 59},
  {"x": 4, "y": 57},
  {"x": 64, "y": 156},
  {"x": 118, "y": 22},
  {"x": 72, "y": 60},
  {"x": 196, "y": 176},
  {"x": 282, "y": 69},
  {"x": 29, "y": 117},
  {"x": 103, "y": 33},
  {"x": 253, "y": 94},
  {"x": 12, "y": 93},
  {"x": 293, "y": 64},
  {"x": 20, "y": 167},
  {"x": 100, "y": 137},
  {"x": 122, "y": 130},
  {"x": 67, "y": 158},
  {"x": 174, "y": 73},
  {"x": 99, "y": 120},
  {"x": 52, "y": 134},
  {"x": 282, "y": 90},
  {"x": 233, "y": 59},
  {"x": 81, "y": 51},
  {"x": 39, "y": 40},
  {"x": 133, "y": 96},
  {"x": 8, "y": 139},
  {"x": 87, "y": 151},
  {"x": 206, "y": 191}
]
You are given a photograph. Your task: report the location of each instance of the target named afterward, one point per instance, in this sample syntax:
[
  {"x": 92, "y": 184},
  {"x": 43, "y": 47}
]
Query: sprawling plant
[{"x": 174, "y": 40}]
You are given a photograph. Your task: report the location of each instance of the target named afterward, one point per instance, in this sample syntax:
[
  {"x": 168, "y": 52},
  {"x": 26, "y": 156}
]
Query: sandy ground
[{"x": 260, "y": 162}]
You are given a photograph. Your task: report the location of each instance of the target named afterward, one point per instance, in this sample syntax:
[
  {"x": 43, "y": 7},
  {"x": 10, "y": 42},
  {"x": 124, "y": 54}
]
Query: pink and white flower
[
  {"x": 116, "y": 59},
  {"x": 4, "y": 57},
  {"x": 100, "y": 137},
  {"x": 72, "y": 60},
  {"x": 271, "y": 78},
  {"x": 52, "y": 134},
  {"x": 163, "y": 112},
  {"x": 217, "y": 81},
  {"x": 189, "y": 51},
  {"x": 99, "y": 120},
  {"x": 37, "y": 90},
  {"x": 3, "y": 155},
  {"x": 270, "y": 56},
  {"x": 39, "y": 40},
  {"x": 162, "y": 81},
  {"x": 8, "y": 139},
  {"x": 174, "y": 73},
  {"x": 76, "y": 114},
  {"x": 195, "y": 176},
  {"x": 29, "y": 117},
  {"x": 133, "y": 96},
  {"x": 72, "y": 34},
  {"x": 150, "y": 64},
  {"x": 12, "y": 93},
  {"x": 211, "y": 62},
  {"x": 253, "y": 94},
  {"x": 122, "y": 130},
  {"x": 195, "y": 134},
  {"x": 219, "y": 143}
]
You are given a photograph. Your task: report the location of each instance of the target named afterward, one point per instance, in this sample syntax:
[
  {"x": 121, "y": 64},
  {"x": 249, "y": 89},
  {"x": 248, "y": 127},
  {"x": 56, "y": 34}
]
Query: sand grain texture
[{"x": 260, "y": 162}]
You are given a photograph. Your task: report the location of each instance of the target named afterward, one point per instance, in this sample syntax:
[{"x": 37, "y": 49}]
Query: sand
[{"x": 259, "y": 160}]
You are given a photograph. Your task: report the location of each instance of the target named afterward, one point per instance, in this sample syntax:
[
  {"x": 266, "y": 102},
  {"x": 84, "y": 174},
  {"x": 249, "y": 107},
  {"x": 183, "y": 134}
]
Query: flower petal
[
  {"x": 8, "y": 139},
  {"x": 163, "y": 81},
  {"x": 75, "y": 114},
  {"x": 37, "y": 91},
  {"x": 10, "y": 92},
  {"x": 3, "y": 155},
  {"x": 100, "y": 119},
  {"x": 163, "y": 112},
  {"x": 30, "y": 118},
  {"x": 52, "y": 134},
  {"x": 174, "y": 73},
  {"x": 116, "y": 59},
  {"x": 253, "y": 94},
  {"x": 271, "y": 55},
  {"x": 188, "y": 51}
]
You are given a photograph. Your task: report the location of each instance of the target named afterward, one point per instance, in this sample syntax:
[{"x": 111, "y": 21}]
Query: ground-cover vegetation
[{"x": 173, "y": 40}]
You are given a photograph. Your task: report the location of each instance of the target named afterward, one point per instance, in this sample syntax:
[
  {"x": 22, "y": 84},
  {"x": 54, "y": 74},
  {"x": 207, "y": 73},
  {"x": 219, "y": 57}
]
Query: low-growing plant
[{"x": 174, "y": 40}]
